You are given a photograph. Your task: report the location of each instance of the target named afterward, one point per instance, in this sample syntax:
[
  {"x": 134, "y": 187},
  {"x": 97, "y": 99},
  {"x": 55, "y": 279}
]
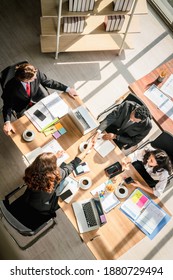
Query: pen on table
[
  {"x": 94, "y": 237},
  {"x": 49, "y": 129}
]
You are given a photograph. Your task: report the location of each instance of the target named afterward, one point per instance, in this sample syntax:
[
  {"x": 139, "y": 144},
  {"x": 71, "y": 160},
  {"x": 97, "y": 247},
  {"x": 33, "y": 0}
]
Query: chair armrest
[{"x": 14, "y": 191}]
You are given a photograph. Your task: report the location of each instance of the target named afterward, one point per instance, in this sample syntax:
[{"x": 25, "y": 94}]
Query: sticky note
[
  {"x": 62, "y": 130},
  {"x": 56, "y": 134},
  {"x": 58, "y": 126}
]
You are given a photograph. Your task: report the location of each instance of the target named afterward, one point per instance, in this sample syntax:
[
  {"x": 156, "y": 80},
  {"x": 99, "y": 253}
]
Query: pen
[{"x": 94, "y": 237}]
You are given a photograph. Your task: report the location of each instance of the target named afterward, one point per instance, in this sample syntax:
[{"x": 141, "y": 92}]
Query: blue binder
[{"x": 133, "y": 208}]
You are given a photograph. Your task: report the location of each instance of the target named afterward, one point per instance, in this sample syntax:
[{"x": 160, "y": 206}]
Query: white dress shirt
[{"x": 161, "y": 176}]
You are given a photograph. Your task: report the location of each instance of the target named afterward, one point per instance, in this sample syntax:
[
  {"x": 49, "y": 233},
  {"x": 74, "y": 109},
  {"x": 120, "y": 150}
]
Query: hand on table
[
  {"x": 72, "y": 92},
  {"x": 59, "y": 154},
  {"x": 8, "y": 128},
  {"x": 109, "y": 136}
]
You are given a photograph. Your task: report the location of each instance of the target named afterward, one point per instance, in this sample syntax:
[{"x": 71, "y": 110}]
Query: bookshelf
[{"x": 94, "y": 36}]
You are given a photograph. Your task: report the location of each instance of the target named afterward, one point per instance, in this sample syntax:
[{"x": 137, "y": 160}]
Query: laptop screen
[{"x": 100, "y": 211}]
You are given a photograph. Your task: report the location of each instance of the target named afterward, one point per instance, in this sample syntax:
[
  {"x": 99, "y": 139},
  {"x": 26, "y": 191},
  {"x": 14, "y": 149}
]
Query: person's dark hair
[
  {"x": 43, "y": 173},
  {"x": 162, "y": 159},
  {"x": 25, "y": 71},
  {"x": 142, "y": 112}
]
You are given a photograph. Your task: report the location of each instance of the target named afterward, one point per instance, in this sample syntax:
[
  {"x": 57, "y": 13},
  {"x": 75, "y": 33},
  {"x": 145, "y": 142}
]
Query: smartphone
[
  {"x": 39, "y": 115},
  {"x": 66, "y": 194},
  {"x": 128, "y": 180}
]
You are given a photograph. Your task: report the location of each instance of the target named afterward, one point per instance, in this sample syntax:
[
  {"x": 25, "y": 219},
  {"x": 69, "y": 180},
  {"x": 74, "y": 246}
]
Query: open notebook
[
  {"x": 104, "y": 147},
  {"x": 53, "y": 147}
]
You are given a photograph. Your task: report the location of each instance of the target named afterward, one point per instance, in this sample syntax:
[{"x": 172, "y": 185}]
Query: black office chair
[
  {"x": 8, "y": 73},
  {"x": 129, "y": 97},
  {"x": 25, "y": 220},
  {"x": 165, "y": 142}
]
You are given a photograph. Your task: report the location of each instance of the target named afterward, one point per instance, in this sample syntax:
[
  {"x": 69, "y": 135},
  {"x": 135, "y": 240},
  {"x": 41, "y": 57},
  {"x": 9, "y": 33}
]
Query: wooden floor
[{"x": 100, "y": 78}]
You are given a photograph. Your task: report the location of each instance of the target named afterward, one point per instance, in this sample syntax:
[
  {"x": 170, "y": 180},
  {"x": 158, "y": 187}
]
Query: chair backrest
[
  {"x": 23, "y": 218},
  {"x": 8, "y": 73},
  {"x": 129, "y": 97},
  {"x": 134, "y": 98},
  {"x": 165, "y": 142}
]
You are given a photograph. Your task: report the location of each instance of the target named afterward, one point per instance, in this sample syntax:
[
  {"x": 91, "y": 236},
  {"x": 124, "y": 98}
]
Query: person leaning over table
[
  {"x": 43, "y": 179},
  {"x": 15, "y": 96},
  {"x": 154, "y": 165},
  {"x": 126, "y": 125}
]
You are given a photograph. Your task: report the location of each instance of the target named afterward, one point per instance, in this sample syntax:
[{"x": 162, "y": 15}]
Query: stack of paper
[
  {"x": 162, "y": 101},
  {"x": 53, "y": 147},
  {"x": 47, "y": 111}
]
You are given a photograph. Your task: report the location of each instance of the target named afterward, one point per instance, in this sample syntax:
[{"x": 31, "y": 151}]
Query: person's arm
[
  {"x": 66, "y": 169},
  {"x": 111, "y": 118},
  {"x": 50, "y": 83},
  {"x": 160, "y": 186},
  {"x": 7, "y": 111},
  {"x": 137, "y": 184}
]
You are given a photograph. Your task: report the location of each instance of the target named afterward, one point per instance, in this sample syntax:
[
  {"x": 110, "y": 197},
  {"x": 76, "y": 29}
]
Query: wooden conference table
[
  {"x": 141, "y": 85},
  {"x": 119, "y": 234}
]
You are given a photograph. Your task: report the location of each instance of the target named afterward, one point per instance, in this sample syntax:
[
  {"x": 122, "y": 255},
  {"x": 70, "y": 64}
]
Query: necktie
[{"x": 28, "y": 89}]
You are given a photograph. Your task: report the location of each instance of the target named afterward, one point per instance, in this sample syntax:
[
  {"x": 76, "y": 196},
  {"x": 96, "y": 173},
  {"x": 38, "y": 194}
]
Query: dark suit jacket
[
  {"x": 44, "y": 202},
  {"x": 115, "y": 122},
  {"x": 15, "y": 96}
]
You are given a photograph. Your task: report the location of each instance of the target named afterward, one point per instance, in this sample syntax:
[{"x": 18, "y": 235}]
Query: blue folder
[{"x": 130, "y": 215}]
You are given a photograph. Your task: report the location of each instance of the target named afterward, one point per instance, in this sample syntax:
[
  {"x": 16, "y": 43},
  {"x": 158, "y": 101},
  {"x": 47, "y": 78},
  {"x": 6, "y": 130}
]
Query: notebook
[
  {"x": 89, "y": 214},
  {"x": 103, "y": 147}
]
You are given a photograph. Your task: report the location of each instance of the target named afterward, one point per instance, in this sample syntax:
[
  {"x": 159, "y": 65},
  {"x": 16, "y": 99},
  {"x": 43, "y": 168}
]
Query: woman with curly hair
[
  {"x": 43, "y": 179},
  {"x": 154, "y": 165}
]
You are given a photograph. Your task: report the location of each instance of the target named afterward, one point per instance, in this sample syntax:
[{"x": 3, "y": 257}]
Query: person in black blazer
[
  {"x": 126, "y": 125},
  {"x": 43, "y": 179},
  {"x": 15, "y": 96}
]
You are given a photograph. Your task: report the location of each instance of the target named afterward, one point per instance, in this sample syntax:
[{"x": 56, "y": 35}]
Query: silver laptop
[{"x": 89, "y": 214}]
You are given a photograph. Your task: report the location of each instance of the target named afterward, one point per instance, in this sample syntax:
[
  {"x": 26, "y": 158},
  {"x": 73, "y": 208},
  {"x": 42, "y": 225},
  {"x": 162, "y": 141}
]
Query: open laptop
[{"x": 89, "y": 214}]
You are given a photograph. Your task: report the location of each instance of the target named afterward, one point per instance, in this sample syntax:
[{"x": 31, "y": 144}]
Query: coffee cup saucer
[
  {"x": 121, "y": 191},
  {"x": 28, "y": 135},
  {"x": 82, "y": 184},
  {"x": 83, "y": 146}
]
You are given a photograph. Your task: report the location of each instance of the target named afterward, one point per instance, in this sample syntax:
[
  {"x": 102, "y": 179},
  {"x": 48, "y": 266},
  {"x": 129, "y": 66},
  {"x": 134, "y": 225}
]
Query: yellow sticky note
[{"x": 136, "y": 196}]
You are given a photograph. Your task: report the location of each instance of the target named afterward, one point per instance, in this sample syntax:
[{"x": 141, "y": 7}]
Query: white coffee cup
[
  {"x": 28, "y": 135},
  {"x": 121, "y": 191},
  {"x": 85, "y": 183},
  {"x": 83, "y": 146}
]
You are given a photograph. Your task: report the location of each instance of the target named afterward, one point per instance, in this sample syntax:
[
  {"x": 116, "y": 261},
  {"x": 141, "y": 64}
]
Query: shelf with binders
[
  {"x": 93, "y": 25},
  {"x": 94, "y": 28},
  {"x": 102, "y": 7}
]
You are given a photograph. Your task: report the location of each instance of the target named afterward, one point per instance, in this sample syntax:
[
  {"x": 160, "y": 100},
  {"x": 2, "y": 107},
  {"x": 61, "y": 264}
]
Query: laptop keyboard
[{"x": 89, "y": 214}]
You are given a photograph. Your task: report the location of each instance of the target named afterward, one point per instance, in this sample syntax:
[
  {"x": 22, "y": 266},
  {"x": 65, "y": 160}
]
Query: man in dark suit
[
  {"x": 24, "y": 90},
  {"x": 126, "y": 125}
]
